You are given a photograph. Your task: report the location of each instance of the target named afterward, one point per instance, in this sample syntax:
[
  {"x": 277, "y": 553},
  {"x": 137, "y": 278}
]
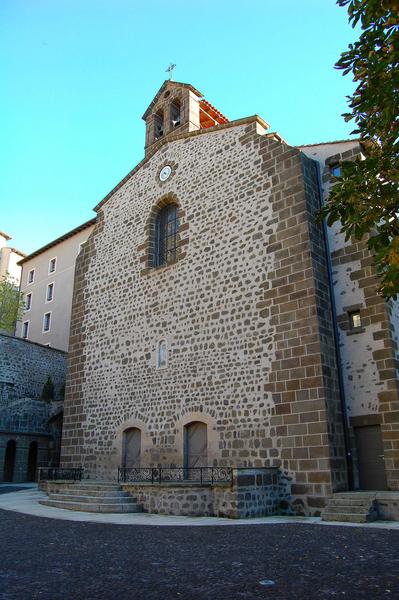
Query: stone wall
[
  {"x": 253, "y": 493},
  {"x": 25, "y": 419},
  {"x": 25, "y": 366}
]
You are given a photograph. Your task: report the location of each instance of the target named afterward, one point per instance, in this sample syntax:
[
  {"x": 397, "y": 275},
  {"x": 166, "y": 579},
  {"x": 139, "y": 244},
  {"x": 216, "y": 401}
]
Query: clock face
[{"x": 165, "y": 173}]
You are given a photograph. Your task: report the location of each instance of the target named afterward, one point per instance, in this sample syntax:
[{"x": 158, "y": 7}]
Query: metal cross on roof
[{"x": 170, "y": 70}]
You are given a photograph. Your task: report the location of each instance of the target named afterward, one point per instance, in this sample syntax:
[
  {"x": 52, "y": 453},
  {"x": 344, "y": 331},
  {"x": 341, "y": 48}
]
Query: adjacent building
[
  {"x": 47, "y": 283},
  {"x": 227, "y": 327},
  {"x": 9, "y": 258},
  {"x": 30, "y": 427}
]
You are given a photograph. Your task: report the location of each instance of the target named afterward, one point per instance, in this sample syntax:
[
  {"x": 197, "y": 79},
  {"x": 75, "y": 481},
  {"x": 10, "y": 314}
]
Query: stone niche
[{"x": 251, "y": 493}]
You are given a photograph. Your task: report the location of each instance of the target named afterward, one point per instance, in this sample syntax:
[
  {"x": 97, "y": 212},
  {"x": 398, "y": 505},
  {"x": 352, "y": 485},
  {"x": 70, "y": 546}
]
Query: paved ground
[
  {"x": 26, "y": 501},
  {"x": 64, "y": 560},
  {"x": 7, "y": 489}
]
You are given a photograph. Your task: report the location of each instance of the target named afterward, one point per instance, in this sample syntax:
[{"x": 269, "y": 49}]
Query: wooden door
[
  {"x": 196, "y": 445},
  {"x": 132, "y": 447},
  {"x": 370, "y": 457}
]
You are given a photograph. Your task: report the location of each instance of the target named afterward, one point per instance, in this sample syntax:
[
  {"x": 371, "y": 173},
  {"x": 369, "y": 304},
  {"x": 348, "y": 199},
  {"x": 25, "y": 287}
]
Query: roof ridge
[{"x": 61, "y": 238}]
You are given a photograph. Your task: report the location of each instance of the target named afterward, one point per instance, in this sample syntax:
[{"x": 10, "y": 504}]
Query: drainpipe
[{"x": 347, "y": 445}]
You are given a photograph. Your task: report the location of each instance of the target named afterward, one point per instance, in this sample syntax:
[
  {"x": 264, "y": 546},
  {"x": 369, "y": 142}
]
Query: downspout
[{"x": 347, "y": 444}]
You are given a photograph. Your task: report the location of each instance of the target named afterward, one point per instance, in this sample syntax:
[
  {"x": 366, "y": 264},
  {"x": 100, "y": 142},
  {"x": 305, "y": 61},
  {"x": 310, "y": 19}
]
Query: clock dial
[{"x": 165, "y": 173}]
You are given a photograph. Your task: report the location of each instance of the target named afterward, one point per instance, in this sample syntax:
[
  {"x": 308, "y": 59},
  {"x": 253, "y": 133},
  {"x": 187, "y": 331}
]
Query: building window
[
  {"x": 28, "y": 301},
  {"x": 31, "y": 276},
  {"x": 158, "y": 125},
  {"x": 166, "y": 229},
  {"x": 162, "y": 354},
  {"x": 335, "y": 170},
  {"x": 175, "y": 114},
  {"x": 52, "y": 264},
  {"x": 47, "y": 321},
  {"x": 25, "y": 329},
  {"x": 355, "y": 320},
  {"x": 50, "y": 292}
]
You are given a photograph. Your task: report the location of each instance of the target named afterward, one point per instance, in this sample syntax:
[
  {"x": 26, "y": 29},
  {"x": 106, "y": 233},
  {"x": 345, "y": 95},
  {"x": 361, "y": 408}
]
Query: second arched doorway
[
  {"x": 195, "y": 445},
  {"x": 131, "y": 447}
]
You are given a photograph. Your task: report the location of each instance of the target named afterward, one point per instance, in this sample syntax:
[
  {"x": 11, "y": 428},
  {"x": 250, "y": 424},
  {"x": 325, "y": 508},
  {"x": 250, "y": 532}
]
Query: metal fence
[
  {"x": 56, "y": 473},
  {"x": 157, "y": 475}
]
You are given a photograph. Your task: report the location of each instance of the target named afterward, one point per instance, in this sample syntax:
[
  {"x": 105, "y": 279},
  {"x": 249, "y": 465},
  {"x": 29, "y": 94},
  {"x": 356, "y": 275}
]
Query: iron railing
[
  {"x": 157, "y": 475},
  {"x": 57, "y": 473}
]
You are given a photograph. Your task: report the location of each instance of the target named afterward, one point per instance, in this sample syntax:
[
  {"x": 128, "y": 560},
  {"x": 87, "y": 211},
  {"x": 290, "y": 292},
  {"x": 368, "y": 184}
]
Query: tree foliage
[
  {"x": 11, "y": 303},
  {"x": 48, "y": 390},
  {"x": 365, "y": 198}
]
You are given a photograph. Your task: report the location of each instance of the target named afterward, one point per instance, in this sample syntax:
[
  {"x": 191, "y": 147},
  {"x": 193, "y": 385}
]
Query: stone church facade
[{"x": 204, "y": 307}]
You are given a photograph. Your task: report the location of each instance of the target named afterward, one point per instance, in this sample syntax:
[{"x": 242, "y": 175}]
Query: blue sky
[{"x": 78, "y": 75}]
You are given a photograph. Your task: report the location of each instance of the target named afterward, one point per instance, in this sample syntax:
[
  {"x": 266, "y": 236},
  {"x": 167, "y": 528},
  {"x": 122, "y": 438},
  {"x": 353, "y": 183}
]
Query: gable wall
[{"x": 244, "y": 311}]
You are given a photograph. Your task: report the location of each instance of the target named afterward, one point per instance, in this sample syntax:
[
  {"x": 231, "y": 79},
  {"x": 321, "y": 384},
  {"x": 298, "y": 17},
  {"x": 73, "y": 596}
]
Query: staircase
[
  {"x": 352, "y": 507},
  {"x": 95, "y": 496}
]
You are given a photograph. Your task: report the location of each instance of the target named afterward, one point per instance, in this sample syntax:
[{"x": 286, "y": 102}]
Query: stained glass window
[{"x": 166, "y": 228}]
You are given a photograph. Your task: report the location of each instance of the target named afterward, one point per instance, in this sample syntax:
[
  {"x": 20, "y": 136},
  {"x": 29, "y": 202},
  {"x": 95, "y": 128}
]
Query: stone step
[
  {"x": 93, "y": 487},
  {"x": 93, "y": 499},
  {"x": 346, "y": 517},
  {"x": 96, "y": 482},
  {"x": 89, "y": 492},
  {"x": 348, "y": 509},
  {"x": 365, "y": 496},
  {"x": 348, "y": 502},
  {"x": 96, "y": 508}
]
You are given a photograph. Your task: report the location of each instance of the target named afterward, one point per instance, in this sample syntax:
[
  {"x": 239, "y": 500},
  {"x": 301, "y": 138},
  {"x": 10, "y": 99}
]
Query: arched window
[
  {"x": 162, "y": 354},
  {"x": 166, "y": 229},
  {"x": 158, "y": 124},
  {"x": 175, "y": 113}
]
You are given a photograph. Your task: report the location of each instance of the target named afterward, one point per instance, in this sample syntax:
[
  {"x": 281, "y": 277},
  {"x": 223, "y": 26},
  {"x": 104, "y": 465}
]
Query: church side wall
[{"x": 369, "y": 356}]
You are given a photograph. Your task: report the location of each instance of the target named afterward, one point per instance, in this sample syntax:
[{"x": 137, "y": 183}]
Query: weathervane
[{"x": 170, "y": 70}]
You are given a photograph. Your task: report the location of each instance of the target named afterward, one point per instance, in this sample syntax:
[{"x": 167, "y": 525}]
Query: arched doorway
[
  {"x": 131, "y": 447},
  {"x": 195, "y": 445},
  {"x": 9, "y": 460},
  {"x": 32, "y": 462}
]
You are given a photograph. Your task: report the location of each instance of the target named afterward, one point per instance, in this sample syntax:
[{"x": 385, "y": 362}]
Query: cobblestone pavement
[{"x": 64, "y": 560}]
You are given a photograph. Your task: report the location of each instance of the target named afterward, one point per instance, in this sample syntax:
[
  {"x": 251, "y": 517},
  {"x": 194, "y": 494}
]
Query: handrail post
[
  {"x": 201, "y": 474},
  {"x": 212, "y": 475},
  {"x": 160, "y": 475}
]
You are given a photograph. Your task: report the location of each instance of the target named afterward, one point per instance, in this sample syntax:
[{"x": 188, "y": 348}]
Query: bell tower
[{"x": 177, "y": 108}]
